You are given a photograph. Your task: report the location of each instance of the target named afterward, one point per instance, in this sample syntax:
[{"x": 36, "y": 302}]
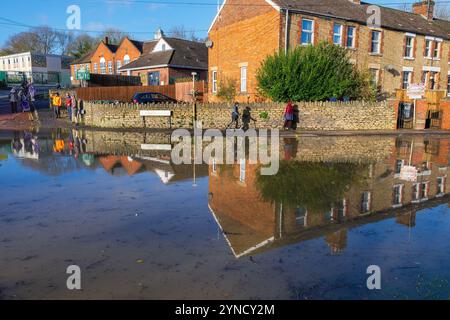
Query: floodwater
[{"x": 140, "y": 227}]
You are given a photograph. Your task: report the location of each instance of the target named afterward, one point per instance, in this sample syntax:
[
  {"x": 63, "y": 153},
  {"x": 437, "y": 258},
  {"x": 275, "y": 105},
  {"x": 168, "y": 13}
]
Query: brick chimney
[
  {"x": 106, "y": 40},
  {"x": 424, "y": 8}
]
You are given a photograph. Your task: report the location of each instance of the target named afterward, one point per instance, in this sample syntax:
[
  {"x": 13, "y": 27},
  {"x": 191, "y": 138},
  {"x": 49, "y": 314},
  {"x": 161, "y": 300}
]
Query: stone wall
[{"x": 313, "y": 116}]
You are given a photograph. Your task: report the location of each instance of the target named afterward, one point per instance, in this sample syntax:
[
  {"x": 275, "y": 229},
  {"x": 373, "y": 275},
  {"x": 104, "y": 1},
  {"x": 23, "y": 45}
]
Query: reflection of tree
[{"x": 315, "y": 186}]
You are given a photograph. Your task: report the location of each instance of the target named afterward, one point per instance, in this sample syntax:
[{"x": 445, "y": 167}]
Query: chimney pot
[
  {"x": 106, "y": 40},
  {"x": 425, "y": 9}
]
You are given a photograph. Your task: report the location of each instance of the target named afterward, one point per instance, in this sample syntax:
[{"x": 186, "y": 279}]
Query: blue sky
[{"x": 138, "y": 17}]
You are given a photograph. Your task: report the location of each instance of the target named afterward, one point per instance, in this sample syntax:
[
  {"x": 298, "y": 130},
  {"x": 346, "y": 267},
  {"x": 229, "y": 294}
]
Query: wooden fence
[
  {"x": 123, "y": 94},
  {"x": 180, "y": 92}
]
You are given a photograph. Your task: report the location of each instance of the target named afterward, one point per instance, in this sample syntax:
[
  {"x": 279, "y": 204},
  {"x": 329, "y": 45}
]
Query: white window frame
[
  {"x": 378, "y": 42},
  {"x": 353, "y": 37},
  {"x": 436, "y": 54},
  {"x": 244, "y": 79},
  {"x": 102, "y": 66},
  {"x": 214, "y": 81},
  {"x": 341, "y": 28},
  {"x": 400, "y": 202},
  {"x": 409, "y": 80},
  {"x": 377, "y": 76},
  {"x": 118, "y": 65},
  {"x": 366, "y": 206},
  {"x": 308, "y": 31},
  {"x": 428, "y": 45},
  {"x": 410, "y": 47},
  {"x": 95, "y": 68},
  {"x": 110, "y": 67},
  {"x": 424, "y": 189},
  {"x": 416, "y": 192},
  {"x": 441, "y": 186}
]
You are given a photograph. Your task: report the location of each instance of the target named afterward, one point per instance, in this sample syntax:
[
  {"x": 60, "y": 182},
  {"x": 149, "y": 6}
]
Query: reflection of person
[
  {"x": 290, "y": 148},
  {"x": 28, "y": 143},
  {"x": 16, "y": 144},
  {"x": 246, "y": 118}
]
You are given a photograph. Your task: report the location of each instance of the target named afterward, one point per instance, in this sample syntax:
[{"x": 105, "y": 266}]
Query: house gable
[
  {"x": 233, "y": 11},
  {"x": 162, "y": 45}
]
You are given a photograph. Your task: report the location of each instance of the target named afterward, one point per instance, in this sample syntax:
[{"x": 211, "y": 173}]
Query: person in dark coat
[{"x": 246, "y": 118}]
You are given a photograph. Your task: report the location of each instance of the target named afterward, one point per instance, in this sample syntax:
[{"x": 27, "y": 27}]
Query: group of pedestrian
[
  {"x": 291, "y": 117},
  {"x": 246, "y": 117},
  {"x": 70, "y": 103},
  {"x": 22, "y": 98}
]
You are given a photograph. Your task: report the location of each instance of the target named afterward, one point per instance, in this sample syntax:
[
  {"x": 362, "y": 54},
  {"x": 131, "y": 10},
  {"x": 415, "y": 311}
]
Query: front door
[
  {"x": 405, "y": 115},
  {"x": 154, "y": 78}
]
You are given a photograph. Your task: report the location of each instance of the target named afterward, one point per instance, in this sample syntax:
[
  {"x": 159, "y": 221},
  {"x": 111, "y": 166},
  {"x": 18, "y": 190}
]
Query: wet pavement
[{"x": 141, "y": 227}]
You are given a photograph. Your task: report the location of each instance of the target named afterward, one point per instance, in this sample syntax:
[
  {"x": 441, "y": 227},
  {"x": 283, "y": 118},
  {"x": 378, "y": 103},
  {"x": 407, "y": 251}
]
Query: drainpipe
[{"x": 286, "y": 33}]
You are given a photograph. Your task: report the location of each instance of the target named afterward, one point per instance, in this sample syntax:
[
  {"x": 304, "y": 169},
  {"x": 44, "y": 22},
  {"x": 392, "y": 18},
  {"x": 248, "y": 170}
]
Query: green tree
[
  {"x": 312, "y": 73},
  {"x": 227, "y": 90},
  {"x": 316, "y": 186}
]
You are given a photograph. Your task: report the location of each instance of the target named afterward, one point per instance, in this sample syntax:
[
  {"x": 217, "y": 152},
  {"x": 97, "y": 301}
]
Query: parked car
[{"x": 152, "y": 97}]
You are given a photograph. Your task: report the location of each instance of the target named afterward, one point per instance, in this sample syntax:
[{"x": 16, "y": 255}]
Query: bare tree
[
  {"x": 65, "y": 40},
  {"x": 114, "y": 35},
  {"x": 404, "y": 7},
  {"x": 442, "y": 12},
  {"x": 181, "y": 32}
]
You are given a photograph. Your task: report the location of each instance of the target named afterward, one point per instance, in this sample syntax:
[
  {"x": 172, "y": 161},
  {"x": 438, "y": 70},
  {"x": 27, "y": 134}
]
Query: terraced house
[{"x": 405, "y": 47}]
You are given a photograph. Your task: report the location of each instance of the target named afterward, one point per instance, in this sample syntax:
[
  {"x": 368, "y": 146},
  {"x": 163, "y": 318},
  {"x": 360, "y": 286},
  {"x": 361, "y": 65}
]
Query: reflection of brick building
[{"x": 252, "y": 225}]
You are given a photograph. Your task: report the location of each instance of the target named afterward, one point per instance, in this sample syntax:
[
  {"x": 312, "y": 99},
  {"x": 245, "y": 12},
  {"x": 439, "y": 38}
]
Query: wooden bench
[{"x": 157, "y": 113}]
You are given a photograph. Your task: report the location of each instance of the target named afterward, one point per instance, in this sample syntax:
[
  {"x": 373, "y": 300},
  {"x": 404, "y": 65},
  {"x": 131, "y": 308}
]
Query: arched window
[
  {"x": 126, "y": 59},
  {"x": 102, "y": 65}
]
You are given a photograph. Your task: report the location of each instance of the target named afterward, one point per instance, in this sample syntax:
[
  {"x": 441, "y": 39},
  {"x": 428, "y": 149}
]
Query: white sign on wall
[
  {"x": 416, "y": 91},
  {"x": 408, "y": 173}
]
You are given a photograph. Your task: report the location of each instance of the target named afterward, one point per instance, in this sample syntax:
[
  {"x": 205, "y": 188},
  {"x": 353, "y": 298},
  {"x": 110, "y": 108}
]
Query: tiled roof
[
  {"x": 86, "y": 58},
  {"x": 185, "y": 53},
  {"x": 390, "y": 18}
]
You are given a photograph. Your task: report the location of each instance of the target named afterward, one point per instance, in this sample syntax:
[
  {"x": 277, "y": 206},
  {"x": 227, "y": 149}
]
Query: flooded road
[{"x": 141, "y": 227}]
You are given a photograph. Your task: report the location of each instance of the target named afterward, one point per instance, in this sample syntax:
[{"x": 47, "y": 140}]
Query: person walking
[
  {"x": 69, "y": 106},
  {"x": 288, "y": 116},
  {"x": 74, "y": 108},
  {"x": 13, "y": 97},
  {"x": 234, "y": 116},
  {"x": 57, "y": 103},
  {"x": 246, "y": 118}
]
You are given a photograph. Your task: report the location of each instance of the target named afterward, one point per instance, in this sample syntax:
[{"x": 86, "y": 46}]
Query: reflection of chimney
[
  {"x": 355, "y": 1},
  {"x": 337, "y": 241},
  {"x": 424, "y": 8},
  {"x": 106, "y": 40},
  {"x": 407, "y": 219}
]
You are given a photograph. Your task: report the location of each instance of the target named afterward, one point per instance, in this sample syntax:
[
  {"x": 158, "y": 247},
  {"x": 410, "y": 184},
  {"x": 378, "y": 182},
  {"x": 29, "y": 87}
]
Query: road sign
[
  {"x": 416, "y": 91},
  {"x": 83, "y": 75}
]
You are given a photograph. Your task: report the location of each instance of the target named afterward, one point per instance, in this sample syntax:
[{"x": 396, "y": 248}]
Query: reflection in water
[
  {"x": 118, "y": 196},
  {"x": 306, "y": 200}
]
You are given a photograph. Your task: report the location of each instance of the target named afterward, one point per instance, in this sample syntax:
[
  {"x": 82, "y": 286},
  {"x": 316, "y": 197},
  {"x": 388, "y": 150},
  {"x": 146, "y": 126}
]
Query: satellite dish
[{"x": 209, "y": 44}]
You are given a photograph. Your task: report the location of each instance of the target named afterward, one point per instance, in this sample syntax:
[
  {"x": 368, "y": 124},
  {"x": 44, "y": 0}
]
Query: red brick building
[
  {"x": 166, "y": 59},
  {"x": 158, "y": 62},
  {"x": 407, "y": 47}
]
